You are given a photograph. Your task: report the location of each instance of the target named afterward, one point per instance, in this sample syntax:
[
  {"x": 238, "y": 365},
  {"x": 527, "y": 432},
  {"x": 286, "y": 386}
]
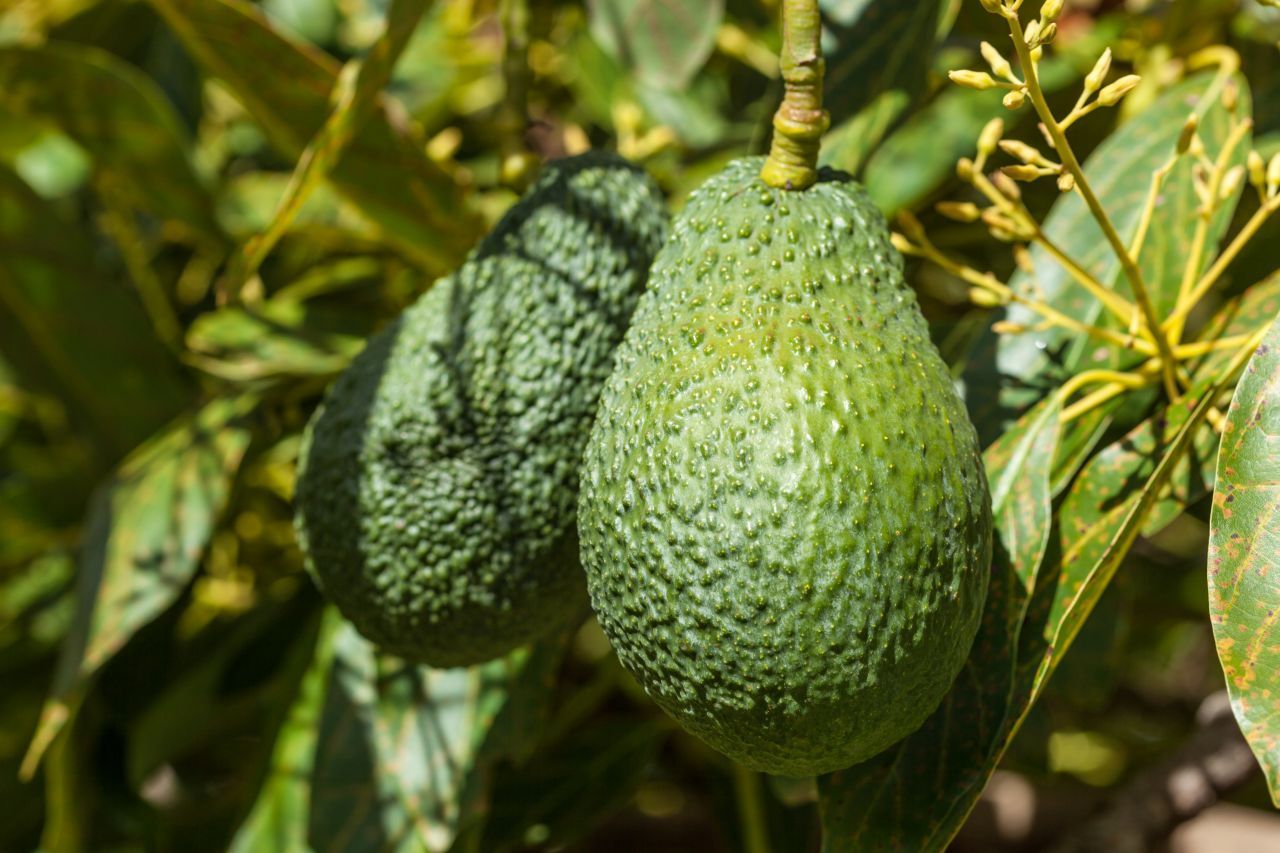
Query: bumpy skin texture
[
  {"x": 784, "y": 517},
  {"x": 438, "y": 489}
]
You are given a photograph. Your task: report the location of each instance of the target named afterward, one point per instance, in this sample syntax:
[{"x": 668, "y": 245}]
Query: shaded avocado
[
  {"x": 438, "y": 481},
  {"x": 784, "y": 517}
]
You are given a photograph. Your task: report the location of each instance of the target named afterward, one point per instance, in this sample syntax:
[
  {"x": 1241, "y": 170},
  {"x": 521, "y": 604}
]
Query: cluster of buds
[{"x": 1035, "y": 36}]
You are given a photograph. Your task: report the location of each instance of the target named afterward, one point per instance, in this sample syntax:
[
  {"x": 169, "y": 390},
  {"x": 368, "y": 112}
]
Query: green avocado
[
  {"x": 784, "y": 517},
  {"x": 438, "y": 483}
]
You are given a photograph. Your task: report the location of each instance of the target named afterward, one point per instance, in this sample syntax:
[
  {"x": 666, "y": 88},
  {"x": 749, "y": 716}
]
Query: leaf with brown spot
[{"x": 1244, "y": 556}]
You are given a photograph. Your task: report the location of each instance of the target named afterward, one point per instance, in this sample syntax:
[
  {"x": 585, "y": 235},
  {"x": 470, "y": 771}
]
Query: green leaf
[
  {"x": 121, "y": 118},
  {"x": 274, "y": 339},
  {"x": 355, "y": 97},
  {"x": 665, "y": 42},
  {"x": 1119, "y": 171},
  {"x": 1194, "y": 477},
  {"x": 1099, "y": 522},
  {"x": 557, "y": 798},
  {"x": 65, "y": 330},
  {"x": 1132, "y": 459},
  {"x": 286, "y": 85},
  {"x": 278, "y": 820},
  {"x": 876, "y": 46},
  {"x": 918, "y": 794},
  {"x": 1244, "y": 556},
  {"x": 853, "y": 143},
  {"x": 405, "y": 751},
  {"x": 144, "y": 536}
]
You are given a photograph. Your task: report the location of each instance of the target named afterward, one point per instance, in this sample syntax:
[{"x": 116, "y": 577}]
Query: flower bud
[
  {"x": 1112, "y": 95},
  {"x": 1101, "y": 69},
  {"x": 1024, "y": 152},
  {"x": 979, "y": 80},
  {"x": 1188, "y": 134},
  {"x": 996, "y": 60},
  {"x": 1015, "y": 99},
  {"x": 1257, "y": 170},
  {"x": 1231, "y": 182},
  {"x": 1006, "y": 185},
  {"x": 960, "y": 211},
  {"x": 990, "y": 137},
  {"x": 1023, "y": 173}
]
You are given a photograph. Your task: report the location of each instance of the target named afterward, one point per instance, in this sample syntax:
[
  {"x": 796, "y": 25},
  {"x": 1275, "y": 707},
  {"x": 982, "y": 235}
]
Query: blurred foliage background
[{"x": 171, "y": 680}]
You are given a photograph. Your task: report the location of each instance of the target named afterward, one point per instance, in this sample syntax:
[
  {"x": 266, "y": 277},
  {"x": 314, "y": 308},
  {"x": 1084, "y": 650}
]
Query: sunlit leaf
[
  {"x": 1244, "y": 556},
  {"x": 268, "y": 340},
  {"x": 356, "y": 95},
  {"x": 405, "y": 751},
  {"x": 916, "y": 795},
  {"x": 665, "y": 42},
  {"x": 144, "y": 537},
  {"x": 66, "y": 330},
  {"x": 121, "y": 118},
  {"x": 286, "y": 85}
]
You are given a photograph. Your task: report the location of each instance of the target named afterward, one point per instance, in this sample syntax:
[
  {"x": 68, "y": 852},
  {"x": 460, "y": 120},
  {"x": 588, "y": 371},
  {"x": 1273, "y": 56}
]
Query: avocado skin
[
  {"x": 784, "y": 517},
  {"x": 438, "y": 483}
]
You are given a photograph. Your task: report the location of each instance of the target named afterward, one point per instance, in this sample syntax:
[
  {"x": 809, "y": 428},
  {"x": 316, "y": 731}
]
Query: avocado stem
[{"x": 800, "y": 121}]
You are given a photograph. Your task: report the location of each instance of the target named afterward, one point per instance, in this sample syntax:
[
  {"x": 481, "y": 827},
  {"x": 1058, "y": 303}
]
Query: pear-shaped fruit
[
  {"x": 784, "y": 516},
  {"x": 438, "y": 489}
]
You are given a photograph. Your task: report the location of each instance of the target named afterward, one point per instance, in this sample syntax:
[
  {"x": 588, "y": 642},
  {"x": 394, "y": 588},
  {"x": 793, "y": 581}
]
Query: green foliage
[
  {"x": 284, "y": 85},
  {"x": 666, "y": 43}
]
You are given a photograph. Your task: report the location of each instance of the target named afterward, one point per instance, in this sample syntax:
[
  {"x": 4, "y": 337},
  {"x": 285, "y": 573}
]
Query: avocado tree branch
[{"x": 801, "y": 121}]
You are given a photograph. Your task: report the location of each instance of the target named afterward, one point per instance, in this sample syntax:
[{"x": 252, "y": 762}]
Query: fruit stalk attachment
[{"x": 800, "y": 121}]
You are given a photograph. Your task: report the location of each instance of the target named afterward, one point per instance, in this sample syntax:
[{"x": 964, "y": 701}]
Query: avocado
[
  {"x": 784, "y": 518},
  {"x": 438, "y": 480}
]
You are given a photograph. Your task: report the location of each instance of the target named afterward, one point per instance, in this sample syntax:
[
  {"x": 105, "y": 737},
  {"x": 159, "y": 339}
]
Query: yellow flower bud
[
  {"x": 960, "y": 211},
  {"x": 979, "y": 80},
  {"x": 1101, "y": 69},
  {"x": 996, "y": 60},
  {"x": 1112, "y": 95}
]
